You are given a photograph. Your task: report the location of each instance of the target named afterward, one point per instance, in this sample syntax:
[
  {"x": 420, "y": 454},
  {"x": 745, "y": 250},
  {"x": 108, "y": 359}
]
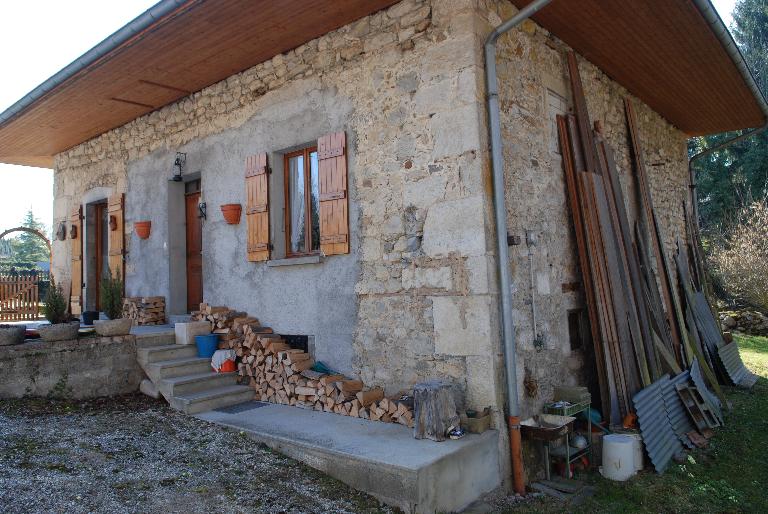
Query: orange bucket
[{"x": 227, "y": 366}]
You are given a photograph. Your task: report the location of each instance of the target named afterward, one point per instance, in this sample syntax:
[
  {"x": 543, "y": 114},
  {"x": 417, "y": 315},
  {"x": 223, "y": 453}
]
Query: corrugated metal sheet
[
  {"x": 676, "y": 411},
  {"x": 659, "y": 437},
  {"x": 701, "y": 385},
  {"x": 738, "y": 373}
]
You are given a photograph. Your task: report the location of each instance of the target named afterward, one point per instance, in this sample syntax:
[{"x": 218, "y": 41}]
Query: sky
[{"x": 40, "y": 37}]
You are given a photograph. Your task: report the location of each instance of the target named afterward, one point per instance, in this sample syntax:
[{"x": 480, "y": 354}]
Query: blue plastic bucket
[{"x": 207, "y": 345}]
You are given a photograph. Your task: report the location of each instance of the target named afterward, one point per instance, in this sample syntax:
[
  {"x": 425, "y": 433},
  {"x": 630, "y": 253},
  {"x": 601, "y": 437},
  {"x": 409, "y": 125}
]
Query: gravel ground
[{"x": 134, "y": 454}]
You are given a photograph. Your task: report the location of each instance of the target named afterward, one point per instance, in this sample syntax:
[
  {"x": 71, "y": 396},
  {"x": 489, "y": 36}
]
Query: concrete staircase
[{"x": 186, "y": 381}]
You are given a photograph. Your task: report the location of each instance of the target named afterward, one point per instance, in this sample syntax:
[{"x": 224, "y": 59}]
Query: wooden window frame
[{"x": 305, "y": 152}]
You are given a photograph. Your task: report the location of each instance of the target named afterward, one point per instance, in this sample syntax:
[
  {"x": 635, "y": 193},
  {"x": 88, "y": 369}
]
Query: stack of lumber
[
  {"x": 284, "y": 375},
  {"x": 145, "y": 310},
  {"x": 636, "y": 316}
]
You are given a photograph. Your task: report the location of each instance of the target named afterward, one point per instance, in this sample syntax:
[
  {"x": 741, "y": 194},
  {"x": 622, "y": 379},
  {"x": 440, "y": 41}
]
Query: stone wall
[
  {"x": 417, "y": 296},
  {"x": 405, "y": 84},
  {"x": 84, "y": 368},
  {"x": 534, "y": 88}
]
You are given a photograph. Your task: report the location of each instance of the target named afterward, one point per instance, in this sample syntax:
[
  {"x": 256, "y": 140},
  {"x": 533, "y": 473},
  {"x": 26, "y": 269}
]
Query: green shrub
[
  {"x": 740, "y": 261},
  {"x": 111, "y": 289},
  {"x": 55, "y": 306}
]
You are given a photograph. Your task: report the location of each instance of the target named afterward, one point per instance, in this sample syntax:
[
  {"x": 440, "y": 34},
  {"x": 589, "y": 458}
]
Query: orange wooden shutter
[
  {"x": 76, "y": 235},
  {"x": 334, "y": 208},
  {"x": 116, "y": 235},
  {"x": 257, "y": 206}
]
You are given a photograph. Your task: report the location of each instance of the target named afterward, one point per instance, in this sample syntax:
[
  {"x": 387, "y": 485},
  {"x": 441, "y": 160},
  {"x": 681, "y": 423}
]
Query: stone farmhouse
[{"x": 355, "y": 135}]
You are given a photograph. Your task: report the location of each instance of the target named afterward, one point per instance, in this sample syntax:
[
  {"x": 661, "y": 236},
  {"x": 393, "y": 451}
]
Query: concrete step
[
  {"x": 382, "y": 459},
  {"x": 151, "y": 340},
  {"x": 179, "y": 386},
  {"x": 201, "y": 401},
  {"x": 166, "y": 352},
  {"x": 178, "y": 367}
]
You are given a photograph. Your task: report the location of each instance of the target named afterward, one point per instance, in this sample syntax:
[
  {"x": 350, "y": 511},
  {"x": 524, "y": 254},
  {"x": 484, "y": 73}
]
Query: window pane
[
  {"x": 315, "y": 201},
  {"x": 297, "y": 201}
]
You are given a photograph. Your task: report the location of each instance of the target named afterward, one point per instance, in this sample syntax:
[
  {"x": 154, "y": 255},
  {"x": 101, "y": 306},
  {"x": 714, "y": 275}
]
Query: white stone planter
[
  {"x": 59, "y": 331},
  {"x": 13, "y": 334},
  {"x": 113, "y": 327}
]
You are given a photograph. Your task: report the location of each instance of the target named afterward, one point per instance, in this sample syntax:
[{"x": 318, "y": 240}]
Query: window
[{"x": 302, "y": 202}]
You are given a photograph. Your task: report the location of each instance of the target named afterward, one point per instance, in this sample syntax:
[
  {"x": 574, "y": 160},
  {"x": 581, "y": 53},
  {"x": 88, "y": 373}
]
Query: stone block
[
  {"x": 456, "y": 131},
  {"x": 433, "y": 278},
  {"x": 455, "y": 226},
  {"x": 186, "y": 332},
  {"x": 462, "y": 325}
]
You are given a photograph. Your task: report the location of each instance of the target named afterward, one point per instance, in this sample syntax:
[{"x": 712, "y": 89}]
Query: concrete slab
[{"x": 382, "y": 459}]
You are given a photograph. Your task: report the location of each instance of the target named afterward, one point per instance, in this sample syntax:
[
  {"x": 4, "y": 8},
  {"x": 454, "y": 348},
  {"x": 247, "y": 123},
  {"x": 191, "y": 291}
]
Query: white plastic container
[
  {"x": 637, "y": 441},
  {"x": 618, "y": 457}
]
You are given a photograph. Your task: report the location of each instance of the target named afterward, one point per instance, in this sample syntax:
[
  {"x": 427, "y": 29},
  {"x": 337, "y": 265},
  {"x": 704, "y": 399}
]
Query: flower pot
[
  {"x": 231, "y": 212},
  {"x": 59, "y": 331},
  {"x": 113, "y": 327},
  {"x": 89, "y": 317},
  {"x": 142, "y": 228},
  {"x": 12, "y": 334}
]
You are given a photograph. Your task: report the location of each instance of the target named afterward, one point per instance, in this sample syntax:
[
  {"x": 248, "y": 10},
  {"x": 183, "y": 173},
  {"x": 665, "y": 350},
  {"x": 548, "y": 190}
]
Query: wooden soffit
[
  {"x": 202, "y": 43},
  {"x": 662, "y": 51}
]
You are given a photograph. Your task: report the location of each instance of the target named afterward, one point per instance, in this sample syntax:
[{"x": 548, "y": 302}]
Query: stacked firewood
[
  {"x": 226, "y": 322},
  {"x": 145, "y": 310},
  {"x": 281, "y": 374}
]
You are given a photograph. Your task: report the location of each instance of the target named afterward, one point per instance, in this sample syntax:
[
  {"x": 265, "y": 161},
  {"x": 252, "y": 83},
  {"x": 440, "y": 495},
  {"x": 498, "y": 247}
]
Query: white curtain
[{"x": 298, "y": 203}]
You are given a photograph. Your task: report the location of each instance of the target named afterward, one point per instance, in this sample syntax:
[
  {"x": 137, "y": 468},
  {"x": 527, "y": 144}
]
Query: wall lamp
[{"x": 178, "y": 164}]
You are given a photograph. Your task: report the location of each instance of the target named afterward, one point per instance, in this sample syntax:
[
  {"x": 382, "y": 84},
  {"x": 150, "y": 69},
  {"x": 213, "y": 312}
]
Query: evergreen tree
[
  {"x": 733, "y": 178},
  {"x": 29, "y": 248}
]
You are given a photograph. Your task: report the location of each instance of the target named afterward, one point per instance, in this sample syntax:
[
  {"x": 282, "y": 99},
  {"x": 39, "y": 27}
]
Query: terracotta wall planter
[
  {"x": 231, "y": 212},
  {"x": 142, "y": 228}
]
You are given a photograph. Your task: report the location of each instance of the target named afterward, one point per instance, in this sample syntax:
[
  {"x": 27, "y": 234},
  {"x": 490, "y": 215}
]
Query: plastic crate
[{"x": 569, "y": 410}]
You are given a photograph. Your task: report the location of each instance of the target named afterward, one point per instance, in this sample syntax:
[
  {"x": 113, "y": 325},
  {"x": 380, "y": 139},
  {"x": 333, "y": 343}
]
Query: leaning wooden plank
[
  {"x": 628, "y": 269},
  {"x": 569, "y": 167},
  {"x": 654, "y": 234}
]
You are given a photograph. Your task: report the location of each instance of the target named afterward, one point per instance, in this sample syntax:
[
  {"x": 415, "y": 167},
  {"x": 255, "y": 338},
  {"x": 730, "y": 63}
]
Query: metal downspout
[
  {"x": 505, "y": 279},
  {"x": 724, "y": 36}
]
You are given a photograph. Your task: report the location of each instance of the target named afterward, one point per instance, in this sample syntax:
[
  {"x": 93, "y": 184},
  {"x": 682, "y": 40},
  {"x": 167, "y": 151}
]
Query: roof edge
[
  {"x": 155, "y": 14},
  {"x": 722, "y": 33}
]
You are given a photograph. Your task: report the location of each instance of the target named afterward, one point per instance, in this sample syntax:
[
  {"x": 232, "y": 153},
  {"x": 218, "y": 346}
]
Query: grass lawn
[{"x": 729, "y": 476}]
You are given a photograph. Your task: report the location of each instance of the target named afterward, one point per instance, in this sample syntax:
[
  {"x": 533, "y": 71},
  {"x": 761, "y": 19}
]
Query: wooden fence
[{"x": 19, "y": 297}]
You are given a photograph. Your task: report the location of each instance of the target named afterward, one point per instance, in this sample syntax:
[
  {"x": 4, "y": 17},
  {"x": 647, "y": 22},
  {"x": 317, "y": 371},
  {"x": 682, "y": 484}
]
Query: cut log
[
  {"x": 434, "y": 410},
  {"x": 368, "y": 397}
]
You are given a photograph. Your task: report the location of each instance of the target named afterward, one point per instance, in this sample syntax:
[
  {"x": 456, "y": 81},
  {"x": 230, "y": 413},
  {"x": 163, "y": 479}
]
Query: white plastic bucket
[
  {"x": 618, "y": 457},
  {"x": 637, "y": 441}
]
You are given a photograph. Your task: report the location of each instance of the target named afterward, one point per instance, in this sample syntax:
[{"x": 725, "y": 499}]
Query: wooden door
[
  {"x": 101, "y": 247},
  {"x": 194, "y": 251}
]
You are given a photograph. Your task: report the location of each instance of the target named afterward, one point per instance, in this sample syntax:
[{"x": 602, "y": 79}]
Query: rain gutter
[
  {"x": 505, "y": 278},
  {"x": 149, "y": 19}
]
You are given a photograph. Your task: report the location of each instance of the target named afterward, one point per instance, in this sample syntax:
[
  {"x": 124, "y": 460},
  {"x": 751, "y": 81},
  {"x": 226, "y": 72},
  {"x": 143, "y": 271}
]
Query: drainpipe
[
  {"x": 720, "y": 31},
  {"x": 505, "y": 279}
]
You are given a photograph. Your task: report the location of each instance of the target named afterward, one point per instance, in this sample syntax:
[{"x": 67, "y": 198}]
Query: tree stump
[{"x": 434, "y": 410}]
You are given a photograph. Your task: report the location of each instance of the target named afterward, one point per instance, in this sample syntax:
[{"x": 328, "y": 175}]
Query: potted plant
[
  {"x": 142, "y": 228},
  {"x": 111, "y": 297},
  {"x": 55, "y": 311},
  {"x": 231, "y": 212}
]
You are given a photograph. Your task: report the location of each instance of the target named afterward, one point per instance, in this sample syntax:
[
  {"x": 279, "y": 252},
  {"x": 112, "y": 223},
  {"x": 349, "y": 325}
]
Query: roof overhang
[
  {"x": 666, "y": 52},
  {"x": 175, "y": 48},
  {"x": 674, "y": 55}
]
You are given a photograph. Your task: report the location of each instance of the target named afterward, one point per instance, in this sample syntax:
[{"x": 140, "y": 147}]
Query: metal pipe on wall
[{"x": 500, "y": 211}]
